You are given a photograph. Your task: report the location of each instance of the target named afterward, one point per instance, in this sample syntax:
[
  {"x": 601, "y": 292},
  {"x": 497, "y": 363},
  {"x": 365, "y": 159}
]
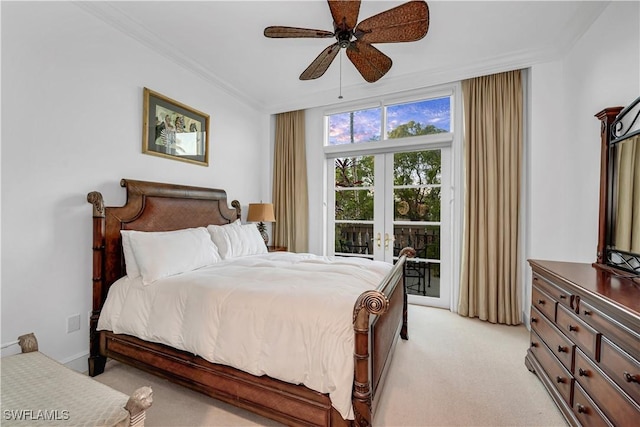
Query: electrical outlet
[{"x": 73, "y": 323}]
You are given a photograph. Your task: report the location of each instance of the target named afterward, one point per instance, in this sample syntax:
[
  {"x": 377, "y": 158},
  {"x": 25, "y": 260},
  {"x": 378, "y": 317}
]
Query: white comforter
[{"x": 285, "y": 315}]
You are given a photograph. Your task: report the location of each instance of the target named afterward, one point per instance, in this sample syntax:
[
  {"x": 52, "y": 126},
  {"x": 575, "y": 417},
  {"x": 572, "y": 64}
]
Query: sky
[{"x": 367, "y": 123}]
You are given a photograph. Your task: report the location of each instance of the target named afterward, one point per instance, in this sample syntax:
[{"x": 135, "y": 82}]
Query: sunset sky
[{"x": 367, "y": 123}]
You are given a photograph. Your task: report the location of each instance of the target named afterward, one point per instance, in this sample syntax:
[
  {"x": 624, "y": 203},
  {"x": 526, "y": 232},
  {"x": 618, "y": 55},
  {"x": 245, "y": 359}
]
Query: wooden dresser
[{"x": 585, "y": 342}]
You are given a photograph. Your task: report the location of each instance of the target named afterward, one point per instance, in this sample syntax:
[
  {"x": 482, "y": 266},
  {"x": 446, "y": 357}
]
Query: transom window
[{"x": 394, "y": 121}]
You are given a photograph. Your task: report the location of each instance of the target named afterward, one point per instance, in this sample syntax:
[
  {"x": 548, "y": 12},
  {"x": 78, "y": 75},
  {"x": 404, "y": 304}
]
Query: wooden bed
[{"x": 379, "y": 316}]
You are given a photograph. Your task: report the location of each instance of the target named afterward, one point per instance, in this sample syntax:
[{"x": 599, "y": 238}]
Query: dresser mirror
[{"x": 622, "y": 249}]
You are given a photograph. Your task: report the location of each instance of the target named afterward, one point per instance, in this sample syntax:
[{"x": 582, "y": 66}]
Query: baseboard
[{"x": 77, "y": 363}]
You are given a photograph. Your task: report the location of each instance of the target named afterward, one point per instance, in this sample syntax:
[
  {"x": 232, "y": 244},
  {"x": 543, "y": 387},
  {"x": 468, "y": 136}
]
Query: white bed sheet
[{"x": 285, "y": 315}]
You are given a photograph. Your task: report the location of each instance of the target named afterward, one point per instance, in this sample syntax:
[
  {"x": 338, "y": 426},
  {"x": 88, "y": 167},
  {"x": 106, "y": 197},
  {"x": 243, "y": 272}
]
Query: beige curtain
[
  {"x": 290, "y": 199},
  {"x": 627, "y": 232},
  {"x": 489, "y": 287}
]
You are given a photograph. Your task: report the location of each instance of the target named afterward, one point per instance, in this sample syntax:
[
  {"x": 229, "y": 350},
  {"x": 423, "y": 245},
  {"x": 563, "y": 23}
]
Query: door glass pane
[
  {"x": 354, "y": 239},
  {"x": 354, "y": 172},
  {"x": 424, "y": 117},
  {"x": 424, "y": 239},
  {"x": 353, "y": 186},
  {"x": 355, "y": 127},
  {"x": 417, "y": 182},
  {"x": 354, "y": 204},
  {"x": 417, "y": 205}
]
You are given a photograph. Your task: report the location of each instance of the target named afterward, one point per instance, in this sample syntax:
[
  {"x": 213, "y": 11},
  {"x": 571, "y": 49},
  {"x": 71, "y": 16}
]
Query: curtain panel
[
  {"x": 490, "y": 279},
  {"x": 290, "y": 198}
]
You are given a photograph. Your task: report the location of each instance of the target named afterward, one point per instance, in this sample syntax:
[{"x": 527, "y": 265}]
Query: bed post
[
  {"x": 369, "y": 302},
  {"x": 96, "y": 361},
  {"x": 374, "y": 302},
  {"x": 408, "y": 252}
]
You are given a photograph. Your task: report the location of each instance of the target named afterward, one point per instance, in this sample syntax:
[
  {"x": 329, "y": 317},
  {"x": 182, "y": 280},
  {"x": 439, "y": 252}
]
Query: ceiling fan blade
[
  {"x": 292, "y": 32},
  {"x": 344, "y": 12},
  {"x": 321, "y": 63},
  {"x": 370, "y": 62},
  {"x": 405, "y": 23}
]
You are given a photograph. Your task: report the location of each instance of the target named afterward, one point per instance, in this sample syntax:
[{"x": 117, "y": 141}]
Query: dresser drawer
[
  {"x": 543, "y": 302},
  {"x": 615, "y": 403},
  {"x": 621, "y": 368},
  {"x": 587, "y": 411},
  {"x": 558, "y": 294},
  {"x": 626, "y": 338},
  {"x": 578, "y": 331},
  {"x": 560, "y": 345},
  {"x": 558, "y": 374}
]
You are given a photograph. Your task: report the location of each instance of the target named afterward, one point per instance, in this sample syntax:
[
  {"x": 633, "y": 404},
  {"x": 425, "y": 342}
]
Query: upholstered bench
[{"x": 37, "y": 390}]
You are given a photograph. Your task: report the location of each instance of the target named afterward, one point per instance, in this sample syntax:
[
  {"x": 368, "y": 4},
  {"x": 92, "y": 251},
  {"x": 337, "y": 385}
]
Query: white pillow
[
  {"x": 131, "y": 265},
  {"x": 166, "y": 253},
  {"x": 237, "y": 239}
]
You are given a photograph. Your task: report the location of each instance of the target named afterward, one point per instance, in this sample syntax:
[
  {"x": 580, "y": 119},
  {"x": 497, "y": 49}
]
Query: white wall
[
  {"x": 71, "y": 123},
  {"x": 602, "y": 70}
]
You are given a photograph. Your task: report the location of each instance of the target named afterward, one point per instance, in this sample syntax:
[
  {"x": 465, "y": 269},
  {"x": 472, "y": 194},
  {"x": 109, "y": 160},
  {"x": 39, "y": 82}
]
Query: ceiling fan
[{"x": 405, "y": 23}]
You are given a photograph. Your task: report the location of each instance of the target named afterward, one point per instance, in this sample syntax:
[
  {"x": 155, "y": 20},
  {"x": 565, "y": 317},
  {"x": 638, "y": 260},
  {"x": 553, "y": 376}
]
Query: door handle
[
  {"x": 387, "y": 239},
  {"x": 378, "y": 240}
]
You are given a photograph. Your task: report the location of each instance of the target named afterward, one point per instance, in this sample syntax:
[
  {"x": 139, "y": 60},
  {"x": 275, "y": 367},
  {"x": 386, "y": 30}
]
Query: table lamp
[{"x": 261, "y": 213}]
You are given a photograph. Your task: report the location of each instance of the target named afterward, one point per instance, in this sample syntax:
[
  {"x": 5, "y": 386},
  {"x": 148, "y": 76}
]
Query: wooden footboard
[{"x": 379, "y": 316}]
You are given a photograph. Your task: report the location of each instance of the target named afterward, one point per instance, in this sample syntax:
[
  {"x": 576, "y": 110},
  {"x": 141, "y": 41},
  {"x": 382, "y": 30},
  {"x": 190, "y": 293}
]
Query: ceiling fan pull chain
[{"x": 340, "y": 94}]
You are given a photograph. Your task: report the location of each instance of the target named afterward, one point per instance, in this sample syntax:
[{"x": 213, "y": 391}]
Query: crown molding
[
  {"x": 418, "y": 80},
  {"x": 113, "y": 16}
]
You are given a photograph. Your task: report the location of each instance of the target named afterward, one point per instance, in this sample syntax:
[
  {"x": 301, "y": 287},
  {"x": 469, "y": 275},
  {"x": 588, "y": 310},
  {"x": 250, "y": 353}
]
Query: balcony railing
[{"x": 357, "y": 240}]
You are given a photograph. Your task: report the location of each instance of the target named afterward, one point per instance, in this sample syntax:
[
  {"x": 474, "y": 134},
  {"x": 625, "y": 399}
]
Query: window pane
[
  {"x": 417, "y": 204},
  {"x": 417, "y": 168},
  {"x": 354, "y": 204},
  {"x": 355, "y": 127},
  {"x": 354, "y": 239},
  {"x": 419, "y": 118},
  {"x": 354, "y": 172},
  {"x": 424, "y": 239},
  {"x": 417, "y": 179}
]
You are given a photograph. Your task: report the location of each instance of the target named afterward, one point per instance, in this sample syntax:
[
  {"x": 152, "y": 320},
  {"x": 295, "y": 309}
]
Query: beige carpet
[{"x": 453, "y": 371}]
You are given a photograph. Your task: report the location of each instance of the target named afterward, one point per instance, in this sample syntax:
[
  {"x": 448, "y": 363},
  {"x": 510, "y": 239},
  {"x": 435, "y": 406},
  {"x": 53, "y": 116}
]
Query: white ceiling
[{"x": 223, "y": 42}]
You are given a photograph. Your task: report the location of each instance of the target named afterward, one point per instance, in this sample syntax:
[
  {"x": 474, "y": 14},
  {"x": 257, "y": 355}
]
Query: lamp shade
[{"x": 260, "y": 212}]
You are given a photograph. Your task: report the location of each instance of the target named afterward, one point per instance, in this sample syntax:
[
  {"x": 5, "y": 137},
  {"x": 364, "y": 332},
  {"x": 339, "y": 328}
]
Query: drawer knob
[
  {"x": 631, "y": 378},
  {"x": 581, "y": 409},
  {"x": 587, "y": 312},
  {"x": 534, "y": 344},
  {"x": 541, "y": 301},
  {"x": 562, "y": 349},
  {"x": 534, "y": 319},
  {"x": 563, "y": 297},
  {"x": 583, "y": 373},
  {"x": 573, "y": 328},
  {"x": 559, "y": 380}
]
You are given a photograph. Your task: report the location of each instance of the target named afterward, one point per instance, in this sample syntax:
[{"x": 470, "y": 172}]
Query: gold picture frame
[{"x": 174, "y": 130}]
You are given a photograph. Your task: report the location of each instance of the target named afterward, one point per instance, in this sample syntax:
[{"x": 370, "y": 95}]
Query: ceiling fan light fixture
[{"x": 404, "y": 23}]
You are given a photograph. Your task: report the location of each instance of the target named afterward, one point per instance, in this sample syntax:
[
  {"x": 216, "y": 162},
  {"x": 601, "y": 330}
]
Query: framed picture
[{"x": 173, "y": 130}]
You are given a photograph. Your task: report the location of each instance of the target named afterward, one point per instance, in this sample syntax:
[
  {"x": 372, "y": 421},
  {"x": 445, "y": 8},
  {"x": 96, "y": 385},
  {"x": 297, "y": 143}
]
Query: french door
[{"x": 381, "y": 203}]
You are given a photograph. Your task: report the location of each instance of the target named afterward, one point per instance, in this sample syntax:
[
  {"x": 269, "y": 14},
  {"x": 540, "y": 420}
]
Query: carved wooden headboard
[{"x": 150, "y": 206}]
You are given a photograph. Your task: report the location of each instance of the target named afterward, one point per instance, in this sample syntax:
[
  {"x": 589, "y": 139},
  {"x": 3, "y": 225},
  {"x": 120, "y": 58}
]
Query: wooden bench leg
[{"x": 138, "y": 403}]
